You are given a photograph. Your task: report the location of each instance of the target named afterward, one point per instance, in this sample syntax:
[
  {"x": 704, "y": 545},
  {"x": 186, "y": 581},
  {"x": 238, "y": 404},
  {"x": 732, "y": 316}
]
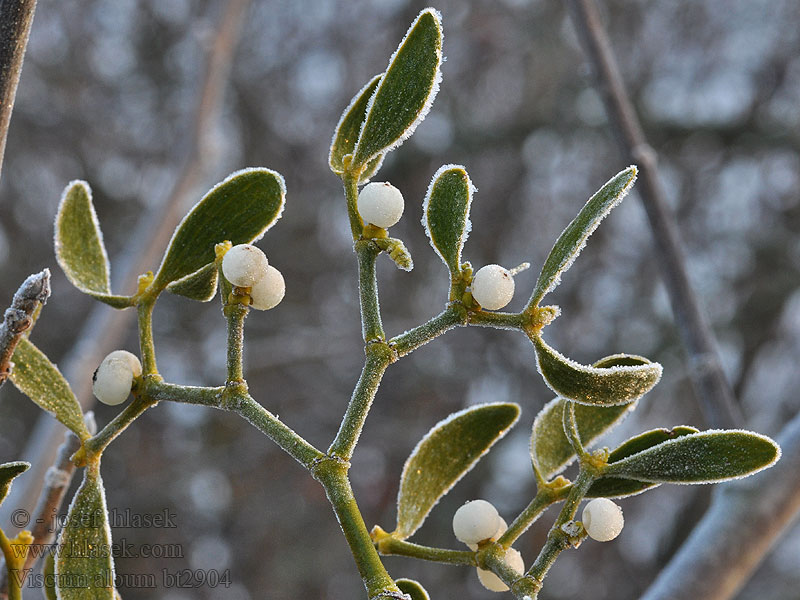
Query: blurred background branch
[{"x": 16, "y": 17}]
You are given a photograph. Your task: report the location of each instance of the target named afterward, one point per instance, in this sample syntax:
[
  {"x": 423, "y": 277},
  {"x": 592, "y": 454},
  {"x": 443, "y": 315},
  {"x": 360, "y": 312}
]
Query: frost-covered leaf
[
  {"x": 349, "y": 128},
  {"x": 405, "y": 92},
  {"x": 599, "y": 386},
  {"x": 85, "y": 567},
  {"x": 444, "y": 456},
  {"x": 200, "y": 285},
  {"x": 413, "y": 589},
  {"x": 240, "y": 209},
  {"x": 573, "y": 238},
  {"x": 8, "y": 471},
  {"x": 445, "y": 213},
  {"x": 616, "y": 487},
  {"x": 551, "y": 451},
  {"x": 80, "y": 251},
  {"x": 704, "y": 457},
  {"x": 41, "y": 381},
  {"x": 49, "y": 577}
]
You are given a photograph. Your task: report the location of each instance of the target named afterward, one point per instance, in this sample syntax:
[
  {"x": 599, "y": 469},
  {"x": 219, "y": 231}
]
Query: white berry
[
  {"x": 243, "y": 265},
  {"x": 475, "y": 521},
  {"x": 602, "y": 519},
  {"x": 113, "y": 379},
  {"x": 492, "y": 582},
  {"x": 493, "y": 287},
  {"x": 268, "y": 291},
  {"x": 380, "y": 204},
  {"x": 502, "y": 527}
]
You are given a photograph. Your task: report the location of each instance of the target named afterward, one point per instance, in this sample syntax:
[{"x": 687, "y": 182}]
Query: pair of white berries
[
  {"x": 381, "y": 204},
  {"x": 246, "y": 265},
  {"x": 478, "y": 521},
  {"x": 113, "y": 379}
]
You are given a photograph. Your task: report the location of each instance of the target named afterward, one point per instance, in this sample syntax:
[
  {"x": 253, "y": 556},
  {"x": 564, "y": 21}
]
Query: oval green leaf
[
  {"x": 413, "y": 588},
  {"x": 49, "y": 577},
  {"x": 200, "y": 285},
  {"x": 85, "y": 567},
  {"x": 445, "y": 213},
  {"x": 704, "y": 457},
  {"x": 405, "y": 92},
  {"x": 80, "y": 250},
  {"x": 8, "y": 471},
  {"x": 616, "y": 487},
  {"x": 599, "y": 386},
  {"x": 573, "y": 239},
  {"x": 349, "y": 126},
  {"x": 444, "y": 456},
  {"x": 240, "y": 209},
  {"x": 41, "y": 381}
]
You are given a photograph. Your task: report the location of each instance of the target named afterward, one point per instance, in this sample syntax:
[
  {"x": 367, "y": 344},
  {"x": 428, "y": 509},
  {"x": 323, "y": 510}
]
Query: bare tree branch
[
  {"x": 714, "y": 392},
  {"x": 19, "y": 317},
  {"x": 104, "y": 327},
  {"x": 745, "y": 520},
  {"x": 16, "y": 17}
]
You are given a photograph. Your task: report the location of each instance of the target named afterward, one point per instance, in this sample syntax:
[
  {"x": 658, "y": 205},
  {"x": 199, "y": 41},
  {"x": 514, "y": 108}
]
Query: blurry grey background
[{"x": 108, "y": 92}]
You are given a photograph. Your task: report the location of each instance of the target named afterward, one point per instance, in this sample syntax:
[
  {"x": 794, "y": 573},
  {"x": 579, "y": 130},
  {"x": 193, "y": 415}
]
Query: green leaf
[
  {"x": 85, "y": 567},
  {"x": 446, "y": 213},
  {"x": 599, "y": 386},
  {"x": 704, "y": 457},
  {"x": 616, "y": 487},
  {"x": 405, "y": 92},
  {"x": 413, "y": 589},
  {"x": 40, "y": 380},
  {"x": 240, "y": 209},
  {"x": 551, "y": 451},
  {"x": 444, "y": 456},
  {"x": 573, "y": 239},
  {"x": 200, "y": 285},
  {"x": 8, "y": 472},
  {"x": 349, "y": 127},
  {"x": 49, "y": 577},
  {"x": 80, "y": 251}
]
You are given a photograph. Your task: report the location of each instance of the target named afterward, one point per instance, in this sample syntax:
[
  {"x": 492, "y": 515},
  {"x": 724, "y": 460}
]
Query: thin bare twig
[
  {"x": 745, "y": 520},
  {"x": 104, "y": 327},
  {"x": 16, "y": 17},
  {"x": 19, "y": 317},
  {"x": 713, "y": 390}
]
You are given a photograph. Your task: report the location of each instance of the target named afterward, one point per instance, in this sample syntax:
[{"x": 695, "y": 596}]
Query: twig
[
  {"x": 716, "y": 397},
  {"x": 104, "y": 328},
  {"x": 745, "y": 520},
  {"x": 16, "y": 17},
  {"x": 19, "y": 317}
]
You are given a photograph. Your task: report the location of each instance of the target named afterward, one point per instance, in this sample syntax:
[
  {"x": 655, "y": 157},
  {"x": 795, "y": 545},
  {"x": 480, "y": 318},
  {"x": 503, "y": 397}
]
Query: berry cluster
[
  {"x": 246, "y": 266},
  {"x": 478, "y": 521}
]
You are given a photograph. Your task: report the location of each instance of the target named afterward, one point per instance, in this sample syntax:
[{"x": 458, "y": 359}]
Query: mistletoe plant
[{"x": 211, "y": 249}]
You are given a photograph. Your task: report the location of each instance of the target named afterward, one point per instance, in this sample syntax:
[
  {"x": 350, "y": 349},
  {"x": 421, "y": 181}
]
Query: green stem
[
  {"x": 571, "y": 430},
  {"x": 405, "y": 343},
  {"x": 97, "y": 443},
  {"x": 146, "y": 346},
  {"x": 236, "y": 314},
  {"x": 559, "y": 540},
  {"x": 12, "y": 568},
  {"x": 497, "y": 320},
  {"x": 332, "y": 474},
  {"x": 371, "y": 326},
  {"x": 388, "y": 545},
  {"x": 379, "y": 356},
  {"x": 186, "y": 394},
  {"x": 350, "y": 182},
  {"x": 543, "y": 499},
  {"x": 259, "y": 417}
]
